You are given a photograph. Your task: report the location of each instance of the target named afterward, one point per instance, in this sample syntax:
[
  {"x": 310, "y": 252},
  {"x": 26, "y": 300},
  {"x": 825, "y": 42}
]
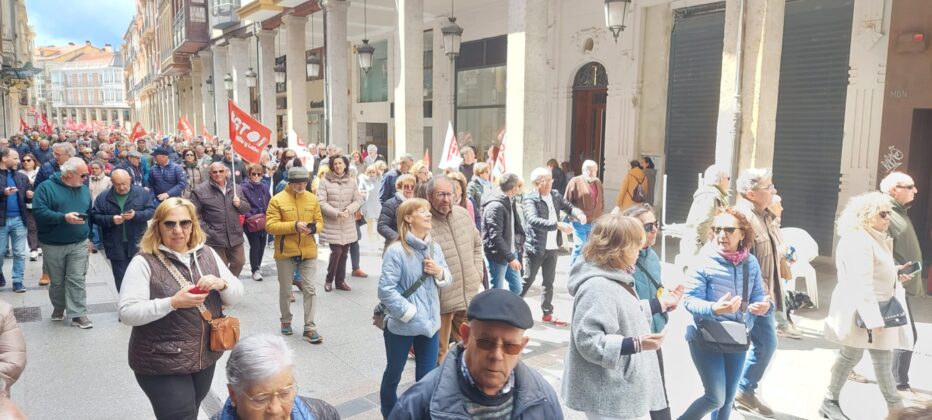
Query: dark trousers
[
  {"x": 533, "y": 263},
  {"x": 176, "y": 397},
  {"x": 257, "y": 242},
  {"x": 354, "y": 249},
  {"x": 336, "y": 270},
  {"x": 396, "y": 356},
  {"x": 119, "y": 270},
  {"x": 665, "y": 413},
  {"x": 903, "y": 358},
  {"x": 32, "y": 231}
]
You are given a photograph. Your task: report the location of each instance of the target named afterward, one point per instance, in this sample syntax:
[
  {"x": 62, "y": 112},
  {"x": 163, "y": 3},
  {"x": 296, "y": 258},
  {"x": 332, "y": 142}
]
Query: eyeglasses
[
  {"x": 189, "y": 154},
  {"x": 728, "y": 229},
  {"x": 407, "y": 187},
  {"x": 650, "y": 227},
  {"x": 27, "y": 160},
  {"x": 907, "y": 187},
  {"x": 83, "y": 176},
  {"x": 263, "y": 399},
  {"x": 218, "y": 172},
  {"x": 255, "y": 174},
  {"x": 444, "y": 195},
  {"x": 508, "y": 348},
  {"x": 172, "y": 224},
  {"x": 771, "y": 188},
  {"x": 884, "y": 214}
]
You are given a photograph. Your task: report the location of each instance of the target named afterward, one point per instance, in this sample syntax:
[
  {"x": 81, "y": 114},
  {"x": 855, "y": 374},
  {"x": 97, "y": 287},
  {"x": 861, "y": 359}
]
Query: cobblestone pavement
[{"x": 83, "y": 374}]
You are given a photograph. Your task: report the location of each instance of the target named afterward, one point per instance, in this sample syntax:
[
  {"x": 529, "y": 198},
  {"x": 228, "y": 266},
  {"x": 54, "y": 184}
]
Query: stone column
[
  {"x": 240, "y": 63},
  {"x": 207, "y": 99},
  {"x": 120, "y": 112},
  {"x": 409, "y": 84},
  {"x": 266, "y": 82},
  {"x": 197, "y": 100},
  {"x": 526, "y": 94},
  {"x": 220, "y": 93},
  {"x": 296, "y": 73},
  {"x": 337, "y": 62},
  {"x": 97, "y": 114}
]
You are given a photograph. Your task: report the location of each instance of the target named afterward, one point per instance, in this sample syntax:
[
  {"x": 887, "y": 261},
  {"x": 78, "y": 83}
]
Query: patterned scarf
[{"x": 737, "y": 257}]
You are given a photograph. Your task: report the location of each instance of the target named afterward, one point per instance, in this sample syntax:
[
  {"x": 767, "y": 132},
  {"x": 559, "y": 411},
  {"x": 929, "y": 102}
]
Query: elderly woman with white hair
[
  {"x": 864, "y": 300},
  {"x": 262, "y": 384},
  {"x": 585, "y": 193},
  {"x": 708, "y": 198}
]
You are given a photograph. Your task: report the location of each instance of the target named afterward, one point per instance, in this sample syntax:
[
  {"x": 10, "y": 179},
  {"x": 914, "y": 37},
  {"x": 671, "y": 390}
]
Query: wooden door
[{"x": 590, "y": 92}]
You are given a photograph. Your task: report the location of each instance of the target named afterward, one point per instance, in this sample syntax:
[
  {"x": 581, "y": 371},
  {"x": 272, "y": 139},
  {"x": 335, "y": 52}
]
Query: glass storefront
[
  {"x": 374, "y": 86},
  {"x": 480, "y": 94}
]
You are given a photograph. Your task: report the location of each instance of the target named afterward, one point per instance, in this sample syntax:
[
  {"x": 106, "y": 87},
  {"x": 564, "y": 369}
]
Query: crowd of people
[{"x": 462, "y": 248}]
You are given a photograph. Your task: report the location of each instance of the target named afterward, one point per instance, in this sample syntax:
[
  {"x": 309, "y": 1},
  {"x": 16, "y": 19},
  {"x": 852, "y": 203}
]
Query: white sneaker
[
  {"x": 257, "y": 276},
  {"x": 40, "y": 252},
  {"x": 33, "y": 255}
]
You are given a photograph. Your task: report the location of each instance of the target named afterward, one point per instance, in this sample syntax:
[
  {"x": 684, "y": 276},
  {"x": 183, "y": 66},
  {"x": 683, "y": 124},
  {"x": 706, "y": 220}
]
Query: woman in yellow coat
[{"x": 628, "y": 195}]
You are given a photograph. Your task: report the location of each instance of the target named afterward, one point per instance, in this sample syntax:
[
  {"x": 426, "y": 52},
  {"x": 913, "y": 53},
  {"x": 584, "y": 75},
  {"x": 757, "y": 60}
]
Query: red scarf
[{"x": 737, "y": 257}]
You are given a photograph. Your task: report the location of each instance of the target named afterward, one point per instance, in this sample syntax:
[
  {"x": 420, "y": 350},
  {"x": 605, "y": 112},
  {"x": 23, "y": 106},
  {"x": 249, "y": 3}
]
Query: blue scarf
[{"x": 299, "y": 410}]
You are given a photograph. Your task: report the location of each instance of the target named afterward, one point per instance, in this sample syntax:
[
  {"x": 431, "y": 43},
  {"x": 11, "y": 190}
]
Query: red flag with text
[
  {"x": 450, "y": 156},
  {"x": 185, "y": 127},
  {"x": 22, "y": 125},
  {"x": 248, "y": 136},
  {"x": 138, "y": 132}
]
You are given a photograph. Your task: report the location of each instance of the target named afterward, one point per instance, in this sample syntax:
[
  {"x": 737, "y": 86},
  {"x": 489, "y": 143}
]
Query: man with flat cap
[
  {"x": 167, "y": 178},
  {"x": 482, "y": 377}
]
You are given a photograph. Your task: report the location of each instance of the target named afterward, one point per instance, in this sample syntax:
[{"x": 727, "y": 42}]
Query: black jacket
[
  {"x": 388, "y": 221},
  {"x": 105, "y": 207},
  {"x": 537, "y": 219},
  {"x": 499, "y": 228},
  {"x": 22, "y": 185},
  {"x": 388, "y": 185}
]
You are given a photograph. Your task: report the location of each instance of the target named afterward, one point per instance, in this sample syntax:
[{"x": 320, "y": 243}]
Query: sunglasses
[
  {"x": 255, "y": 174},
  {"x": 218, "y": 172},
  {"x": 650, "y": 227},
  {"x": 489, "y": 345},
  {"x": 885, "y": 214},
  {"x": 27, "y": 160},
  {"x": 172, "y": 224},
  {"x": 728, "y": 229},
  {"x": 407, "y": 187}
]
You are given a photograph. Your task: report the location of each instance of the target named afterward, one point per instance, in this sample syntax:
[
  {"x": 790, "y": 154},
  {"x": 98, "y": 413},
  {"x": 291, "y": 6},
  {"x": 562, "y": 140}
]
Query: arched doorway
[{"x": 590, "y": 91}]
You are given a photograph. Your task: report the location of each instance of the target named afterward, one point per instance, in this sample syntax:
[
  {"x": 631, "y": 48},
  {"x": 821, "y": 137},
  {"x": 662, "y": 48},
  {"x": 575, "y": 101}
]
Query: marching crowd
[{"x": 462, "y": 249}]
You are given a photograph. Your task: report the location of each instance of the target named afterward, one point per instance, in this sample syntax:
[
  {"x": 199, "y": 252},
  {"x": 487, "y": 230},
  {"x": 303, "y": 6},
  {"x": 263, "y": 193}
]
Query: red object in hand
[{"x": 198, "y": 291}]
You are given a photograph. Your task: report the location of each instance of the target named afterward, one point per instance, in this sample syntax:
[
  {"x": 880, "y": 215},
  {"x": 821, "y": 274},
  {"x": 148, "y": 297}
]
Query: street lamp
[
  {"x": 251, "y": 78},
  {"x": 279, "y": 73},
  {"x": 615, "y": 11},
  {"x": 210, "y": 84},
  {"x": 313, "y": 66},
  {"x": 452, "y": 34},
  {"x": 364, "y": 51},
  {"x": 228, "y": 82}
]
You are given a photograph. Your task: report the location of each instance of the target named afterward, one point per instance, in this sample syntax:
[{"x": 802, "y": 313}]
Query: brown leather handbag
[{"x": 224, "y": 331}]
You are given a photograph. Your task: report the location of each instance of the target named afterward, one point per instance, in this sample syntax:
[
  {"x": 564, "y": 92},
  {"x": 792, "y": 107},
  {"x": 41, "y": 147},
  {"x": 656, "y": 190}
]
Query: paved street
[{"x": 77, "y": 374}]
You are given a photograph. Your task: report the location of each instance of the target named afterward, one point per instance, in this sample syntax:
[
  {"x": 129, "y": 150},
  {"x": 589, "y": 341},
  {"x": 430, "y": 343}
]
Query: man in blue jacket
[
  {"x": 12, "y": 215},
  {"x": 60, "y": 207},
  {"x": 166, "y": 178},
  {"x": 122, "y": 212}
]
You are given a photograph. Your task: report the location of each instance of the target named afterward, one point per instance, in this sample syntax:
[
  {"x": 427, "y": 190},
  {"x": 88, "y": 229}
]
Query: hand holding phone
[
  {"x": 910, "y": 268},
  {"x": 198, "y": 291}
]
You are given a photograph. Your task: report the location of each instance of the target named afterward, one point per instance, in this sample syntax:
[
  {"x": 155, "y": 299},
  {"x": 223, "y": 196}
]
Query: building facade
[
  {"x": 81, "y": 86},
  {"x": 16, "y": 69}
]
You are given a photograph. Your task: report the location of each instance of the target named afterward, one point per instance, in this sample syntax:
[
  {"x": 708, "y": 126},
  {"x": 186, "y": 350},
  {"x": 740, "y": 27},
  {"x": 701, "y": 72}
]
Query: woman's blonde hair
[
  {"x": 407, "y": 208},
  {"x": 861, "y": 209},
  {"x": 613, "y": 236},
  {"x": 402, "y": 179},
  {"x": 149, "y": 244}
]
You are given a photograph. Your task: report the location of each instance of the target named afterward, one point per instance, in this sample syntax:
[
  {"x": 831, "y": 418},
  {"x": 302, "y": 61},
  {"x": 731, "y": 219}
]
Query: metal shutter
[
  {"x": 811, "y": 114},
  {"x": 692, "y": 101}
]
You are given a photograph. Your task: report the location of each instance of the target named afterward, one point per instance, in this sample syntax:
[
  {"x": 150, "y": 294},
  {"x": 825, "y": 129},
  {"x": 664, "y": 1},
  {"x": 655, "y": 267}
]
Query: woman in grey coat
[{"x": 612, "y": 371}]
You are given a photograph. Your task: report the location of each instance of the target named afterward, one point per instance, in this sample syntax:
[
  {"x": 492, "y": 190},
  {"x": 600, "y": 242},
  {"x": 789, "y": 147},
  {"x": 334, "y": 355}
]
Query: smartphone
[
  {"x": 911, "y": 269},
  {"x": 82, "y": 216},
  {"x": 198, "y": 291}
]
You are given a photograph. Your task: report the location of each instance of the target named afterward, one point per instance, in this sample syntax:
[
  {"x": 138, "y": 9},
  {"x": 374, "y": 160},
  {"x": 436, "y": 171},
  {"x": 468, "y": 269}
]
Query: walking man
[
  {"x": 219, "y": 206},
  {"x": 12, "y": 210},
  {"x": 60, "y": 207},
  {"x": 293, "y": 217},
  {"x": 585, "y": 193},
  {"x": 454, "y": 231},
  {"x": 123, "y": 213},
  {"x": 166, "y": 178},
  {"x": 500, "y": 230}
]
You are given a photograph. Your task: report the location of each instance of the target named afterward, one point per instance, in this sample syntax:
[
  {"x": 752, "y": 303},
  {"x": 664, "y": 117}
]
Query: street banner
[
  {"x": 450, "y": 156},
  {"x": 46, "y": 127},
  {"x": 298, "y": 147},
  {"x": 427, "y": 158},
  {"x": 22, "y": 125},
  {"x": 137, "y": 132},
  {"x": 185, "y": 127},
  {"x": 69, "y": 124},
  {"x": 498, "y": 169},
  {"x": 248, "y": 136}
]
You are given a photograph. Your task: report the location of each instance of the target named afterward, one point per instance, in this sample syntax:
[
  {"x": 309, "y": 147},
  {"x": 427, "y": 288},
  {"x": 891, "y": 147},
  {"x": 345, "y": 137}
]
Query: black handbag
[
  {"x": 892, "y": 312},
  {"x": 726, "y": 336}
]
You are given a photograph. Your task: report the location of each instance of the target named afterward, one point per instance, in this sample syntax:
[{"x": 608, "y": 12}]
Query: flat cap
[
  {"x": 161, "y": 151},
  {"x": 134, "y": 154},
  {"x": 500, "y": 305},
  {"x": 298, "y": 174}
]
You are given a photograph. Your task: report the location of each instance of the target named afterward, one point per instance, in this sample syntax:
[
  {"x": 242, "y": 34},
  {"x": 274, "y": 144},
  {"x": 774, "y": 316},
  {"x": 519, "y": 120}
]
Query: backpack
[{"x": 638, "y": 195}]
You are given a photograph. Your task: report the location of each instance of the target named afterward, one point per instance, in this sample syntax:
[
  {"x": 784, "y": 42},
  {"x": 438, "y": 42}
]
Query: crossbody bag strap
[
  {"x": 744, "y": 291},
  {"x": 629, "y": 289},
  {"x": 205, "y": 313},
  {"x": 420, "y": 281},
  {"x": 653, "y": 281}
]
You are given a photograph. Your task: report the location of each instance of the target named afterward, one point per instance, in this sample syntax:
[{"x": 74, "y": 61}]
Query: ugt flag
[
  {"x": 185, "y": 127},
  {"x": 248, "y": 136}
]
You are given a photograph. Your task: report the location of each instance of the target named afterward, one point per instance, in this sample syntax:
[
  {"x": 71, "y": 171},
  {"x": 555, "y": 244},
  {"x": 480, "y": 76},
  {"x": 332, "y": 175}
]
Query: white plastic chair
[{"x": 806, "y": 250}]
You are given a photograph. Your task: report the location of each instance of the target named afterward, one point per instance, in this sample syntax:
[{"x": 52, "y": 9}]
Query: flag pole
[{"x": 233, "y": 169}]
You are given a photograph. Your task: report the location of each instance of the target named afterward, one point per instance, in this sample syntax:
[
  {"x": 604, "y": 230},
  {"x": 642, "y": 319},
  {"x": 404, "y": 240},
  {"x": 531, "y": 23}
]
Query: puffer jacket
[
  {"x": 170, "y": 179},
  {"x": 388, "y": 221},
  {"x": 462, "y": 248},
  {"x": 418, "y": 314},
  {"x": 706, "y": 200},
  {"x": 219, "y": 218},
  {"x": 765, "y": 248},
  {"x": 499, "y": 228},
  {"x": 196, "y": 176},
  {"x": 338, "y": 193},
  {"x": 12, "y": 347},
  {"x": 712, "y": 277},
  {"x": 285, "y": 209},
  {"x": 537, "y": 219}
]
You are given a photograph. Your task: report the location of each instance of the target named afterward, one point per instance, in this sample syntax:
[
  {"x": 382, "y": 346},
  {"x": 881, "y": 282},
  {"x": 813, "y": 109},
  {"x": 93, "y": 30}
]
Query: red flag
[
  {"x": 161, "y": 135},
  {"x": 137, "y": 132},
  {"x": 46, "y": 127},
  {"x": 498, "y": 168},
  {"x": 22, "y": 124},
  {"x": 427, "y": 158},
  {"x": 185, "y": 127},
  {"x": 206, "y": 133},
  {"x": 248, "y": 136}
]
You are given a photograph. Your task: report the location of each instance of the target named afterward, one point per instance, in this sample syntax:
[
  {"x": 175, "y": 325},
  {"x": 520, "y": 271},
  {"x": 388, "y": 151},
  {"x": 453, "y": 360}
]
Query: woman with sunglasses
[
  {"x": 210, "y": 156},
  {"x": 867, "y": 277},
  {"x": 257, "y": 194},
  {"x": 30, "y": 168},
  {"x": 388, "y": 222},
  {"x": 716, "y": 294},
  {"x": 413, "y": 263},
  {"x": 611, "y": 369},
  {"x": 284, "y": 164},
  {"x": 167, "y": 287},
  {"x": 196, "y": 174}
]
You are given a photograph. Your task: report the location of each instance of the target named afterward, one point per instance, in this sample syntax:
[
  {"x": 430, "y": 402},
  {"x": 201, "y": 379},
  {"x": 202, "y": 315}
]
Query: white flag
[
  {"x": 498, "y": 168},
  {"x": 450, "y": 156}
]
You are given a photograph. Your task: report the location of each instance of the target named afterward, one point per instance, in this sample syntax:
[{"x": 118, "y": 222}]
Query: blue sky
[{"x": 57, "y": 22}]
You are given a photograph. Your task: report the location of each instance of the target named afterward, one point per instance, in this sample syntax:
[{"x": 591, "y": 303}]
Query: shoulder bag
[
  {"x": 224, "y": 331},
  {"x": 892, "y": 312},
  {"x": 726, "y": 336},
  {"x": 379, "y": 312},
  {"x": 255, "y": 223},
  {"x": 657, "y": 285}
]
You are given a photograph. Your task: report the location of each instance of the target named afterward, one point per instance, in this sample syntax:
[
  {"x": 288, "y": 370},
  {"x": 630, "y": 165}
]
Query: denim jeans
[
  {"x": 396, "y": 355},
  {"x": 498, "y": 271},
  {"x": 763, "y": 346},
  {"x": 96, "y": 237},
  {"x": 580, "y": 236},
  {"x": 15, "y": 230},
  {"x": 719, "y": 373}
]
